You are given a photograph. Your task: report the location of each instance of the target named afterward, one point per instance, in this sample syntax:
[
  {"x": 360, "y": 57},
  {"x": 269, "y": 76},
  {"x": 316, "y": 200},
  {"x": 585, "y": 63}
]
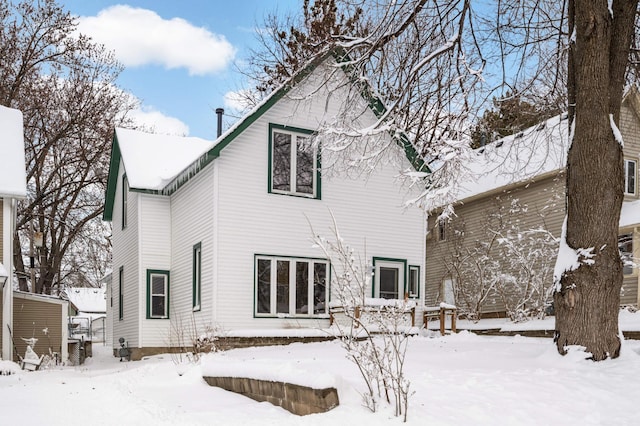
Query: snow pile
[
  {"x": 287, "y": 371},
  {"x": 457, "y": 380}
]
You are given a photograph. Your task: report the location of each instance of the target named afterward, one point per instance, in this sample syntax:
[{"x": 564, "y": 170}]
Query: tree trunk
[{"x": 587, "y": 302}]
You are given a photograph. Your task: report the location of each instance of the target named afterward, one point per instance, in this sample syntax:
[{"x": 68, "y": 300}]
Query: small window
[
  {"x": 442, "y": 230},
  {"x": 125, "y": 196},
  {"x": 389, "y": 278},
  {"x": 625, "y": 245},
  {"x": 290, "y": 286},
  {"x": 197, "y": 277},
  {"x": 630, "y": 177},
  {"x": 414, "y": 281},
  {"x": 293, "y": 166},
  {"x": 157, "y": 294},
  {"x": 120, "y": 293}
]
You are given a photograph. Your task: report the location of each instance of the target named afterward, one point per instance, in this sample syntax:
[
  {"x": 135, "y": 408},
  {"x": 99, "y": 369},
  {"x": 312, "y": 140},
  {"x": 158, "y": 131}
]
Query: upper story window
[
  {"x": 293, "y": 162},
  {"x": 630, "y": 171},
  {"x": 442, "y": 230}
]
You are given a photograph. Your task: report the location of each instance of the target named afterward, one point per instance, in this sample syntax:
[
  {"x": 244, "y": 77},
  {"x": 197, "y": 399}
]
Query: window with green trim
[
  {"x": 291, "y": 286},
  {"x": 157, "y": 294},
  {"x": 120, "y": 293},
  {"x": 389, "y": 278},
  {"x": 414, "y": 281},
  {"x": 197, "y": 277},
  {"x": 125, "y": 196},
  {"x": 293, "y": 162}
]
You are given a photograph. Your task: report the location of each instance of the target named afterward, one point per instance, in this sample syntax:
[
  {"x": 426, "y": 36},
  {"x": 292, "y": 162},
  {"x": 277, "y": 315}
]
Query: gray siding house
[{"x": 516, "y": 188}]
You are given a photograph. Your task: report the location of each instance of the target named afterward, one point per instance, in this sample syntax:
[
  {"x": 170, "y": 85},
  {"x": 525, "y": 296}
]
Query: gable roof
[
  {"x": 534, "y": 153},
  {"x": 86, "y": 299},
  {"x": 195, "y": 166},
  {"x": 13, "y": 177}
]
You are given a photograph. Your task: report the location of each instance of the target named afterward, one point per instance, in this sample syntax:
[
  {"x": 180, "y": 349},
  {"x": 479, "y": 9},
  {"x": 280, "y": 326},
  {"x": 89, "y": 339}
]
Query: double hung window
[
  {"x": 293, "y": 162},
  {"x": 630, "y": 173},
  {"x": 157, "y": 294}
]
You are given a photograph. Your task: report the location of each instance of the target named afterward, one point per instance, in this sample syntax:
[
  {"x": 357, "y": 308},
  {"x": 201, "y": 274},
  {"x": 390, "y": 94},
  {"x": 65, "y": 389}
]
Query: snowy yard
[{"x": 462, "y": 379}]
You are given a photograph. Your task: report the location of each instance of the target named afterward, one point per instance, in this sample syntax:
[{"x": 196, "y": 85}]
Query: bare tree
[
  {"x": 434, "y": 64},
  {"x": 65, "y": 87},
  {"x": 587, "y": 295}
]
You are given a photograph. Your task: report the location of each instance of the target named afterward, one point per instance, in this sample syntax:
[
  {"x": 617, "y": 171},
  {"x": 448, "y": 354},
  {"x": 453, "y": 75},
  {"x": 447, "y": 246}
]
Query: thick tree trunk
[{"x": 588, "y": 299}]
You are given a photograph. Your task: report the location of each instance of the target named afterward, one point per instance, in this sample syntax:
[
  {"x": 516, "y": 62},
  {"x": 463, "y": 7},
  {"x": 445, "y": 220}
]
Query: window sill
[{"x": 289, "y": 316}]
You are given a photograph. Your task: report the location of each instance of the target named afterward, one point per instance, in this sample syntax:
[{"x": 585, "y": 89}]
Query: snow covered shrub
[
  {"x": 473, "y": 271},
  {"x": 375, "y": 334},
  {"x": 188, "y": 341},
  {"x": 505, "y": 262}
]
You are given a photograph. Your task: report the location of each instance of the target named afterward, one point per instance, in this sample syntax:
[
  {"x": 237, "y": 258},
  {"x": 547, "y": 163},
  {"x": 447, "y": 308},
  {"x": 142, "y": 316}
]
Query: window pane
[
  {"x": 197, "y": 274},
  {"x": 281, "y": 161},
  {"x": 282, "y": 298},
  {"x": 304, "y": 165},
  {"x": 157, "y": 306},
  {"x": 319, "y": 288},
  {"x": 625, "y": 245},
  {"x": 302, "y": 287},
  {"x": 157, "y": 284},
  {"x": 388, "y": 283},
  {"x": 414, "y": 279},
  {"x": 631, "y": 177},
  {"x": 264, "y": 286}
]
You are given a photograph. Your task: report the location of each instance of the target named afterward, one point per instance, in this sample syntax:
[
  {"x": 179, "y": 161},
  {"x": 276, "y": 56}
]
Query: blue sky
[{"x": 179, "y": 56}]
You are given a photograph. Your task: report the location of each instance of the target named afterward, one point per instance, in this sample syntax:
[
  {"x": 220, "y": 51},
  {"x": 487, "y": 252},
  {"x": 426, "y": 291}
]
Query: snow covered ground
[{"x": 461, "y": 379}]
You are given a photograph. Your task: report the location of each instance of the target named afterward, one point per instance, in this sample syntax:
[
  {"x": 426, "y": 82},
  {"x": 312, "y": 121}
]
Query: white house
[
  {"x": 13, "y": 187},
  {"x": 217, "y": 233}
]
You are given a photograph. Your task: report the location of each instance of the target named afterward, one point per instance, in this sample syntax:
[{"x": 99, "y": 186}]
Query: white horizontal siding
[
  {"x": 368, "y": 211},
  {"x": 192, "y": 223},
  {"x": 155, "y": 251},
  {"x": 125, "y": 254}
]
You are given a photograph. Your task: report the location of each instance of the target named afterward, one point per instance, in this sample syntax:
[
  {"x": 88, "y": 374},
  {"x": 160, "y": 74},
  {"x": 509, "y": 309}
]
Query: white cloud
[
  {"x": 241, "y": 100},
  {"x": 157, "y": 122},
  {"x": 140, "y": 36}
]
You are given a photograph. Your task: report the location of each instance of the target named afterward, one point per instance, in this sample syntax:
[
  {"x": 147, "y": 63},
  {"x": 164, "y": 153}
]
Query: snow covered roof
[
  {"x": 86, "y": 299},
  {"x": 162, "y": 183},
  {"x": 516, "y": 159},
  {"x": 151, "y": 161},
  {"x": 13, "y": 177}
]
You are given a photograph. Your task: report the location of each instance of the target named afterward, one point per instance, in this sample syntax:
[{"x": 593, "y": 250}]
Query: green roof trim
[
  {"x": 112, "y": 181},
  {"x": 374, "y": 103},
  {"x": 379, "y": 109}
]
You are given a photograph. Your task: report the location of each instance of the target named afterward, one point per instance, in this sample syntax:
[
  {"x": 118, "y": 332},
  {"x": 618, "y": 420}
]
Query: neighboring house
[
  {"x": 87, "y": 308},
  {"x": 13, "y": 187},
  {"x": 518, "y": 184},
  {"x": 90, "y": 301},
  {"x": 217, "y": 233},
  {"x": 44, "y": 318}
]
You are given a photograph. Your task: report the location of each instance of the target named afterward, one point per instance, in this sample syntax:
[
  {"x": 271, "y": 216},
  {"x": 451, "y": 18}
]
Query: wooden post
[{"x": 442, "y": 319}]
